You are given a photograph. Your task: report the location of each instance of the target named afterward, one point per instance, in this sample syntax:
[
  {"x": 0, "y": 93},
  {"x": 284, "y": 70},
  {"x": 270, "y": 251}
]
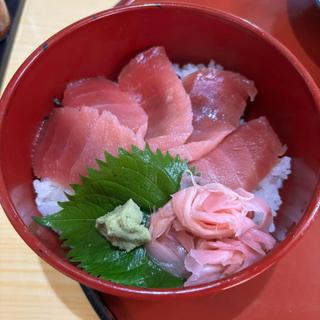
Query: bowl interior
[{"x": 101, "y": 45}]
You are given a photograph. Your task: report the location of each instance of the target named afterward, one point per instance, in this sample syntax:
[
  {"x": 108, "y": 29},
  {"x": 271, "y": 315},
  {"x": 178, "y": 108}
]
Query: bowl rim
[{"x": 134, "y": 292}]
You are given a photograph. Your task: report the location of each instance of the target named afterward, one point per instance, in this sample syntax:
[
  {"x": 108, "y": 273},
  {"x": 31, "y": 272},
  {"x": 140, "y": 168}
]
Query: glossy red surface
[
  {"x": 287, "y": 96},
  {"x": 294, "y": 22},
  {"x": 288, "y": 291}
]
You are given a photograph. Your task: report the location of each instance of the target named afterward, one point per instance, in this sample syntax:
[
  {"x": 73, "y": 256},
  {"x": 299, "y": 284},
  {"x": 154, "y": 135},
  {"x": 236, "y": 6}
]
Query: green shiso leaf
[{"x": 149, "y": 179}]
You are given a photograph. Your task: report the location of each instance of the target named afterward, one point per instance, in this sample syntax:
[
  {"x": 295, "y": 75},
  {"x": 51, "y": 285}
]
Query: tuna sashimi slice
[
  {"x": 52, "y": 141},
  {"x": 85, "y": 120},
  {"x": 151, "y": 77},
  {"x": 243, "y": 158},
  {"x": 218, "y": 101},
  {"x": 218, "y": 95},
  {"x": 202, "y": 140},
  {"x": 108, "y": 134},
  {"x": 106, "y": 95},
  {"x": 43, "y": 141}
]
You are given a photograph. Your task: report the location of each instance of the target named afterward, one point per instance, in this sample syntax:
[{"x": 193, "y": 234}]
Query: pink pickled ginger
[{"x": 208, "y": 232}]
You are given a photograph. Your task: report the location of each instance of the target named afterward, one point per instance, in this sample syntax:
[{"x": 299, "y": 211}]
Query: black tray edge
[
  {"x": 15, "y": 11},
  {"x": 97, "y": 304}
]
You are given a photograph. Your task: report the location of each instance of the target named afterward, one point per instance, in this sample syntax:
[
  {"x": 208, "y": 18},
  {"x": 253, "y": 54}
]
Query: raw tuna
[
  {"x": 108, "y": 134},
  {"x": 218, "y": 101},
  {"x": 106, "y": 95},
  {"x": 151, "y": 77},
  {"x": 202, "y": 140},
  {"x": 82, "y": 125},
  {"x": 244, "y": 158},
  {"x": 218, "y": 95},
  {"x": 74, "y": 138},
  {"x": 52, "y": 142}
]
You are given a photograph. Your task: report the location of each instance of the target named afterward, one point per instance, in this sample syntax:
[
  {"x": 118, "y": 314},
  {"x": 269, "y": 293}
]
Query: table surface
[{"x": 29, "y": 287}]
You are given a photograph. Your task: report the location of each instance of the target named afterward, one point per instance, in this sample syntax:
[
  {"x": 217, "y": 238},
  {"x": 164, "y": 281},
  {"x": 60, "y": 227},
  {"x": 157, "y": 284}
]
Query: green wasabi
[{"x": 123, "y": 228}]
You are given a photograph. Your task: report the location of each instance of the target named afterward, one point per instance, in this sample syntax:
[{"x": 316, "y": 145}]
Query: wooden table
[{"x": 30, "y": 288}]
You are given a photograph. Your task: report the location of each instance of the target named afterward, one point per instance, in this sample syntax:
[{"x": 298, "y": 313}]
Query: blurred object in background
[{"x": 4, "y": 19}]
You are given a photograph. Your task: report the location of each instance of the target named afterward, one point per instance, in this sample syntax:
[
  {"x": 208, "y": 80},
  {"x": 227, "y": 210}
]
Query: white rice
[
  {"x": 189, "y": 68},
  {"x": 269, "y": 187},
  {"x": 48, "y": 194}
]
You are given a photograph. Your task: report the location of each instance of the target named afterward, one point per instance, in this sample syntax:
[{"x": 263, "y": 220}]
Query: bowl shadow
[
  {"x": 304, "y": 18},
  {"x": 69, "y": 293}
]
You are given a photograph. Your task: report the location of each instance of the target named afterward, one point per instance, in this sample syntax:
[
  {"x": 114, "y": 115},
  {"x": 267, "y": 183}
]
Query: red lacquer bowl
[{"x": 100, "y": 45}]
